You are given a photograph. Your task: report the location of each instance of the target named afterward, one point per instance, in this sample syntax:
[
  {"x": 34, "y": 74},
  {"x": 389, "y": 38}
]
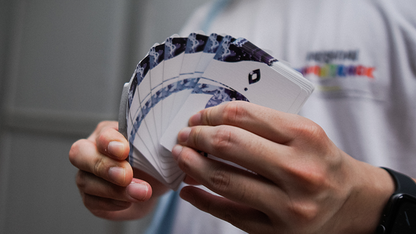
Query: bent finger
[
  {"x": 84, "y": 156},
  {"x": 113, "y": 209},
  {"x": 101, "y": 205},
  {"x": 241, "y": 216},
  {"x": 274, "y": 125},
  {"x": 136, "y": 191},
  {"x": 233, "y": 183},
  {"x": 239, "y": 146},
  {"x": 110, "y": 142}
]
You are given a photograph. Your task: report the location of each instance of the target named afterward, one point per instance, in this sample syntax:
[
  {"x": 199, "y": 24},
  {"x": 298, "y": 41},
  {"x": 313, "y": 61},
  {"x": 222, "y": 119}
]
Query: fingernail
[
  {"x": 116, "y": 148},
  {"x": 177, "y": 149},
  {"x": 184, "y": 134},
  {"x": 137, "y": 191},
  {"x": 117, "y": 174},
  {"x": 195, "y": 119}
]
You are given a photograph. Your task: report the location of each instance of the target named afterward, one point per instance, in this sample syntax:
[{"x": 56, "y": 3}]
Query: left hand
[{"x": 302, "y": 182}]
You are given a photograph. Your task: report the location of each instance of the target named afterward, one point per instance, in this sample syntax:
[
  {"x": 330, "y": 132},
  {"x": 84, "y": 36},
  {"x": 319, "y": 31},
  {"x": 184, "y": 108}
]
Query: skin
[
  {"x": 302, "y": 182},
  {"x": 109, "y": 186},
  {"x": 297, "y": 180}
]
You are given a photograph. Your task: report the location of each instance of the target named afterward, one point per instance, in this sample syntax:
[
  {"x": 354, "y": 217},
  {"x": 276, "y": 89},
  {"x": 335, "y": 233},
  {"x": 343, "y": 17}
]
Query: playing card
[
  {"x": 135, "y": 115},
  {"x": 160, "y": 83},
  {"x": 211, "y": 47},
  {"x": 156, "y": 55},
  {"x": 244, "y": 72},
  {"x": 187, "y": 80},
  {"x": 186, "y": 74},
  {"x": 174, "y": 52},
  {"x": 142, "y": 130},
  {"x": 156, "y": 61}
]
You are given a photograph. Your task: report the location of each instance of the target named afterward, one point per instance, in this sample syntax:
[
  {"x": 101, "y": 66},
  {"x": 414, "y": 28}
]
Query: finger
[
  {"x": 239, "y": 146},
  {"x": 243, "y": 217},
  {"x": 158, "y": 188},
  {"x": 102, "y": 205},
  {"x": 236, "y": 184},
  {"x": 272, "y": 124},
  {"x": 191, "y": 181},
  {"x": 115, "y": 210},
  {"x": 110, "y": 142},
  {"x": 136, "y": 191},
  {"x": 84, "y": 156}
]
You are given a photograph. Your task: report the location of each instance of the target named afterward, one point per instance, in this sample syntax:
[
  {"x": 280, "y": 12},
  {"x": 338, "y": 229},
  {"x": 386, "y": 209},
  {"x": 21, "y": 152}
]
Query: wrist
[{"x": 370, "y": 194}]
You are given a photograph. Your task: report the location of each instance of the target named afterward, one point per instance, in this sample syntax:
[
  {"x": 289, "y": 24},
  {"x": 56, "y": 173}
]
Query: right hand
[{"x": 109, "y": 186}]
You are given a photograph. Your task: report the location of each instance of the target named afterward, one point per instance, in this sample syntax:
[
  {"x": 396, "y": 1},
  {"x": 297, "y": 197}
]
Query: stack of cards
[{"x": 183, "y": 75}]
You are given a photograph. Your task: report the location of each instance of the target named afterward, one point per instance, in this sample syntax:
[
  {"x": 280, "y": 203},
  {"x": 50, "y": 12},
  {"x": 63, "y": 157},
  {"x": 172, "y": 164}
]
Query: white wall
[{"x": 62, "y": 66}]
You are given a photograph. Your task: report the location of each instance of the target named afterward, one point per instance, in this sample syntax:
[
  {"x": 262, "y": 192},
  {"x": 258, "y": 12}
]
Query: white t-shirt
[{"x": 361, "y": 56}]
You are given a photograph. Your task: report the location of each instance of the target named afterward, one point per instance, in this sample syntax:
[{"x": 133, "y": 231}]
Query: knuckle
[
  {"x": 315, "y": 182},
  {"x": 222, "y": 139},
  {"x": 233, "y": 113},
  {"x": 75, "y": 151},
  {"x": 311, "y": 131},
  {"x": 208, "y": 116},
  {"x": 317, "y": 133},
  {"x": 99, "y": 167},
  {"x": 304, "y": 212},
  {"x": 196, "y": 135},
  {"x": 311, "y": 179},
  {"x": 220, "y": 180}
]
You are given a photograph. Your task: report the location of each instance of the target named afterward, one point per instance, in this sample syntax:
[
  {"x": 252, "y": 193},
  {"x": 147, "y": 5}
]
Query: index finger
[
  {"x": 109, "y": 141},
  {"x": 271, "y": 124}
]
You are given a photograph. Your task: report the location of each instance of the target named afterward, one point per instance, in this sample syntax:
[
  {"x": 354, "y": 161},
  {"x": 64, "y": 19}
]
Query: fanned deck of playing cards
[{"x": 183, "y": 75}]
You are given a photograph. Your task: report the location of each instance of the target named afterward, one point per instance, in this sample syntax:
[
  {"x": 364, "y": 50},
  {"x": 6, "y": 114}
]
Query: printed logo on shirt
[
  {"x": 331, "y": 69},
  {"x": 340, "y": 73}
]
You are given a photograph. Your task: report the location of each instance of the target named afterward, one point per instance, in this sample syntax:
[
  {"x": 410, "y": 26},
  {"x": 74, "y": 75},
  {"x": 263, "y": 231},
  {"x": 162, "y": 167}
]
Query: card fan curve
[{"x": 183, "y": 75}]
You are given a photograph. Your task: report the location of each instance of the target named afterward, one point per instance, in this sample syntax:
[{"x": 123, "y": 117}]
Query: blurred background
[{"x": 62, "y": 67}]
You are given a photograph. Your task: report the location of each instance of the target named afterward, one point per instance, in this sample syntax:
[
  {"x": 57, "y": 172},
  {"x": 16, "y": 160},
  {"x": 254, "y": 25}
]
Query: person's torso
[{"x": 361, "y": 57}]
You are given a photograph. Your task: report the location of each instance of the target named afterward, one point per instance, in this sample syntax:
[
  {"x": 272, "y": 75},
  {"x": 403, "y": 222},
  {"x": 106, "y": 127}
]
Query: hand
[
  {"x": 297, "y": 180},
  {"x": 108, "y": 184}
]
